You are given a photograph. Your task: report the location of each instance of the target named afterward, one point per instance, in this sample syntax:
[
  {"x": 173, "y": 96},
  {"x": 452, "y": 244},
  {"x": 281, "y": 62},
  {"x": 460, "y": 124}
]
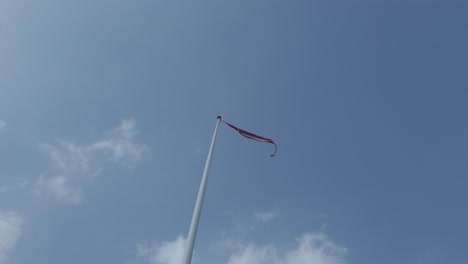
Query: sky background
[{"x": 107, "y": 109}]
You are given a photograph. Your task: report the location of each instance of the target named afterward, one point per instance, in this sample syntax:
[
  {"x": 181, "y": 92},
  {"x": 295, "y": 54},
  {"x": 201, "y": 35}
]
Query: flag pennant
[{"x": 251, "y": 136}]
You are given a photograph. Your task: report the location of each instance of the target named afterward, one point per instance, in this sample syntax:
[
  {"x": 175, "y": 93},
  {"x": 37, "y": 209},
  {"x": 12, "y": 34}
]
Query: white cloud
[
  {"x": 60, "y": 188},
  {"x": 70, "y": 162},
  {"x": 120, "y": 143},
  {"x": 3, "y": 125},
  {"x": 10, "y": 230},
  {"x": 266, "y": 216},
  {"x": 67, "y": 158},
  {"x": 318, "y": 249},
  {"x": 167, "y": 252},
  {"x": 252, "y": 254},
  {"x": 310, "y": 249}
]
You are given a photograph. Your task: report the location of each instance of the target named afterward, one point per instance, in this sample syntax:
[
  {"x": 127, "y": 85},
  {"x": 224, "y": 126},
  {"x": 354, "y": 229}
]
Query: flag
[{"x": 251, "y": 135}]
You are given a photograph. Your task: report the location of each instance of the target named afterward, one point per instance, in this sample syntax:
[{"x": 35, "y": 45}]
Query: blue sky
[{"x": 107, "y": 109}]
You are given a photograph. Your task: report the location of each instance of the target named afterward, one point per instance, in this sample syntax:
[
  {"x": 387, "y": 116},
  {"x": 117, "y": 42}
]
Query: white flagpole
[{"x": 198, "y": 206}]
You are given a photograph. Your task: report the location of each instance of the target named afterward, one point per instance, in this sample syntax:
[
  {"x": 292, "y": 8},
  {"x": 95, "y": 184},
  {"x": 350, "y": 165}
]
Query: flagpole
[{"x": 187, "y": 259}]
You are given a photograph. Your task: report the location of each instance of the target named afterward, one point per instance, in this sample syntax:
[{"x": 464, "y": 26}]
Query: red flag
[{"x": 251, "y": 135}]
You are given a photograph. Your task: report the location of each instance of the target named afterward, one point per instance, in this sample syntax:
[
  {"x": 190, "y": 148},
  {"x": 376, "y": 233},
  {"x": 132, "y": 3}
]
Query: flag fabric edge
[{"x": 250, "y": 135}]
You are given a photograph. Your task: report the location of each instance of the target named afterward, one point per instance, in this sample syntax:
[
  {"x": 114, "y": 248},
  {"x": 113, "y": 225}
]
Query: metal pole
[{"x": 198, "y": 206}]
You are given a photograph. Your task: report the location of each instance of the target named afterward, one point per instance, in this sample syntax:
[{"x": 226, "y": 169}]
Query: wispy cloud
[
  {"x": 309, "y": 248},
  {"x": 166, "y": 252},
  {"x": 10, "y": 230},
  {"x": 67, "y": 157},
  {"x": 70, "y": 163},
  {"x": 3, "y": 125},
  {"x": 14, "y": 186},
  {"x": 120, "y": 143},
  {"x": 60, "y": 188},
  {"x": 266, "y": 216}
]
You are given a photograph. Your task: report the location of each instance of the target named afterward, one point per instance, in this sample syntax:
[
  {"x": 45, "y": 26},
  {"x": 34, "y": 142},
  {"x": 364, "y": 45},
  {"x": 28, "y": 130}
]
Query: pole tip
[{"x": 219, "y": 117}]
